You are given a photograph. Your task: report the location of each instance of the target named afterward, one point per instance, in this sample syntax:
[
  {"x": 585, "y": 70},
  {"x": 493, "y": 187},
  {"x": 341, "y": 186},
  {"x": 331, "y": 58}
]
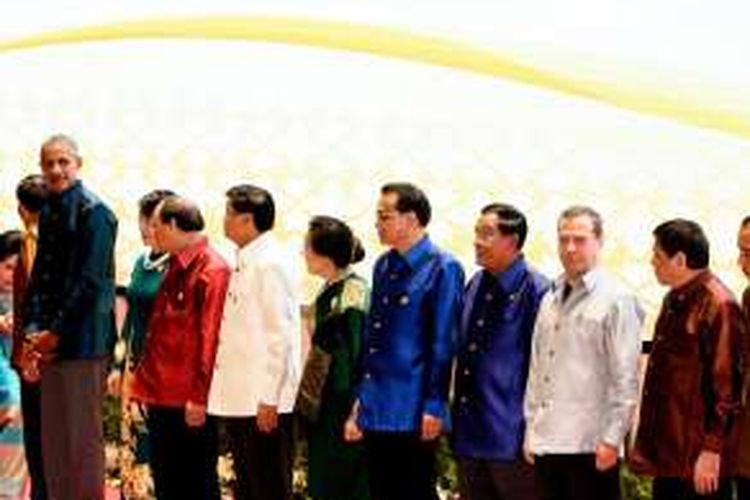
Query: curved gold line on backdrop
[{"x": 402, "y": 44}]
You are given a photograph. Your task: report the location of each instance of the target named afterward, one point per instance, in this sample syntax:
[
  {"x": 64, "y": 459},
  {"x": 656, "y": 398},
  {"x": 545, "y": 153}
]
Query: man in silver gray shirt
[{"x": 583, "y": 380}]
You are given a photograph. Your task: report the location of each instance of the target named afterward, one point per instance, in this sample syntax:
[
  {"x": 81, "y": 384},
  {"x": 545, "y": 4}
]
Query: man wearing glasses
[{"x": 401, "y": 406}]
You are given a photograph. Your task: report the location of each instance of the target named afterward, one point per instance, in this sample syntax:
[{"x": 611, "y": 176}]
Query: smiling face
[
  {"x": 60, "y": 164},
  {"x": 493, "y": 250}
]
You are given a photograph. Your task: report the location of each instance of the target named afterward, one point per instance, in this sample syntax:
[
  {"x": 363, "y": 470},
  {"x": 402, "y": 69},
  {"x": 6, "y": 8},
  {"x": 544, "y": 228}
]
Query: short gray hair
[{"x": 65, "y": 139}]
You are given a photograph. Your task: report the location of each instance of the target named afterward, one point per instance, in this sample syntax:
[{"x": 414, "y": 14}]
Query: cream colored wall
[{"x": 323, "y": 130}]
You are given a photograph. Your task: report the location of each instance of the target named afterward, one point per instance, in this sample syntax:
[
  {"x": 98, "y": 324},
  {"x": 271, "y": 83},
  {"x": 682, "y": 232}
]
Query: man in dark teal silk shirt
[
  {"x": 69, "y": 325},
  {"x": 402, "y": 405}
]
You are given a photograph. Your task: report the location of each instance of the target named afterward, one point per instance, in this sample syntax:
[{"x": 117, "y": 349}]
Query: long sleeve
[
  {"x": 445, "y": 310},
  {"x": 722, "y": 344},
  {"x": 214, "y": 289},
  {"x": 531, "y": 400},
  {"x": 97, "y": 237},
  {"x": 623, "y": 345},
  {"x": 278, "y": 307}
]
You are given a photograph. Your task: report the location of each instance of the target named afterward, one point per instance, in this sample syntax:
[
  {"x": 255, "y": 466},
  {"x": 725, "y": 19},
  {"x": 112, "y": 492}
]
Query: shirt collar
[
  {"x": 66, "y": 196},
  {"x": 187, "y": 255},
  {"x": 248, "y": 252},
  {"x": 510, "y": 280},
  {"x": 588, "y": 281},
  {"x": 417, "y": 252},
  {"x": 685, "y": 291}
]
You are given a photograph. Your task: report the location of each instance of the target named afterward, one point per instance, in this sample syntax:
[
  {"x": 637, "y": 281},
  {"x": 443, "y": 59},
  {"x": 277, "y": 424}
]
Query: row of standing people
[{"x": 546, "y": 372}]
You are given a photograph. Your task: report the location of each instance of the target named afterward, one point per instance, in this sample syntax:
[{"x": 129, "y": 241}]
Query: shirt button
[
  {"x": 404, "y": 300},
  {"x": 393, "y": 276},
  {"x": 546, "y": 380},
  {"x": 488, "y": 297},
  {"x": 467, "y": 372},
  {"x": 368, "y": 376},
  {"x": 385, "y": 301},
  {"x": 472, "y": 347},
  {"x": 373, "y": 350},
  {"x": 464, "y": 400},
  {"x": 480, "y": 322},
  {"x": 551, "y": 353},
  {"x": 544, "y": 404},
  {"x": 377, "y": 325}
]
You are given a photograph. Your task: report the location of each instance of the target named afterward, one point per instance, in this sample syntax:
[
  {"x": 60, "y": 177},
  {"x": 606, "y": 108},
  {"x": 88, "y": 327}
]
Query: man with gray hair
[
  {"x": 583, "y": 378},
  {"x": 69, "y": 324}
]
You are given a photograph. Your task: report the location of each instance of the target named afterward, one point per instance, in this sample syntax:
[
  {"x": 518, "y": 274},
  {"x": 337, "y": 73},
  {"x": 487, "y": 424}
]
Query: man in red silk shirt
[{"x": 174, "y": 374}]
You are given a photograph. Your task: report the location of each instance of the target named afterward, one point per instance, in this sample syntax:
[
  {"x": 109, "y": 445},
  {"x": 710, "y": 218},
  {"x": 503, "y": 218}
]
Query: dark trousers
[
  {"x": 401, "y": 466},
  {"x": 72, "y": 431},
  {"x": 671, "y": 488},
  {"x": 183, "y": 459},
  {"x": 31, "y": 408},
  {"x": 743, "y": 488},
  {"x": 262, "y": 462},
  {"x": 574, "y": 477},
  {"x": 493, "y": 480}
]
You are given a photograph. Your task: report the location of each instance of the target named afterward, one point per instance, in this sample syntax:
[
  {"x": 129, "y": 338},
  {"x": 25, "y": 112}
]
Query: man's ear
[{"x": 681, "y": 259}]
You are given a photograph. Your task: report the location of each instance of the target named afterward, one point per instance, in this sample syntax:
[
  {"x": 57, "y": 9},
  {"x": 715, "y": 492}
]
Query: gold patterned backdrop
[{"x": 323, "y": 129}]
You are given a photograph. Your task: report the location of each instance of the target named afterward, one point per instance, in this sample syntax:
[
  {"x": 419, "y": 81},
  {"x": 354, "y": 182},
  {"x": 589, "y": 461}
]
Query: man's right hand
[
  {"x": 528, "y": 455},
  {"x": 352, "y": 432}
]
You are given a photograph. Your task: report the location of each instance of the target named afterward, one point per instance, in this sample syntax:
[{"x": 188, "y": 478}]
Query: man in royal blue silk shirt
[
  {"x": 402, "y": 406},
  {"x": 500, "y": 307}
]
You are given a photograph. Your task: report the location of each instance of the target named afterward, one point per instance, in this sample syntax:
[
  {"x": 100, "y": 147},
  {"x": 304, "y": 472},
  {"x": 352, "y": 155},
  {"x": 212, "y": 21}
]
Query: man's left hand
[
  {"x": 267, "y": 418},
  {"x": 431, "y": 427},
  {"x": 195, "y": 414},
  {"x": 45, "y": 342},
  {"x": 606, "y": 457},
  {"x": 706, "y": 473}
]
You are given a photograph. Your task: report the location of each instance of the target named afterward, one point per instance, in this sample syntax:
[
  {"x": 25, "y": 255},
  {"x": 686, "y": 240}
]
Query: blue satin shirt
[
  {"x": 409, "y": 338},
  {"x": 493, "y": 361}
]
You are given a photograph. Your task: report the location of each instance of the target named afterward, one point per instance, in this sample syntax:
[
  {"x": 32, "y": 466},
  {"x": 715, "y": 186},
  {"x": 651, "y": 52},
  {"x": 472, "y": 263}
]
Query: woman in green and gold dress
[
  {"x": 145, "y": 281},
  {"x": 336, "y": 469}
]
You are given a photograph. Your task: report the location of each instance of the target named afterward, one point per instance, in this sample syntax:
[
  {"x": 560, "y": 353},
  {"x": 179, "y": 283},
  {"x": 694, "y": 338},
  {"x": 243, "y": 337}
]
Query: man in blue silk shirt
[
  {"x": 70, "y": 325},
  {"x": 402, "y": 406},
  {"x": 500, "y": 307}
]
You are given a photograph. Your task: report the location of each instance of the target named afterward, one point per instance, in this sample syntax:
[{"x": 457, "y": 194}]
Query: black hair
[
  {"x": 409, "y": 198},
  {"x": 332, "y": 238},
  {"x": 686, "y": 236},
  {"x": 510, "y": 221},
  {"x": 249, "y": 199},
  {"x": 10, "y": 243},
  {"x": 31, "y": 193},
  {"x": 149, "y": 201}
]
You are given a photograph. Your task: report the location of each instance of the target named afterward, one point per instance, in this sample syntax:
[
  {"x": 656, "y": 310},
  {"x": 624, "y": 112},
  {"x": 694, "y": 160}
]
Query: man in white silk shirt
[
  {"x": 583, "y": 380},
  {"x": 257, "y": 362}
]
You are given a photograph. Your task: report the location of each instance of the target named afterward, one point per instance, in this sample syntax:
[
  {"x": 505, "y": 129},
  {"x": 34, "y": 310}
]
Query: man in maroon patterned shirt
[{"x": 687, "y": 435}]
